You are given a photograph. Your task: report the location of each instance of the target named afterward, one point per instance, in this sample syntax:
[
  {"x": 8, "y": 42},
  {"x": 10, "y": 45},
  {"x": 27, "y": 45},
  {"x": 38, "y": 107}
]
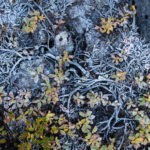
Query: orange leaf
[
  {"x": 60, "y": 22},
  {"x": 36, "y": 18},
  {"x": 11, "y": 94},
  {"x": 133, "y": 9},
  {"x": 7, "y": 120}
]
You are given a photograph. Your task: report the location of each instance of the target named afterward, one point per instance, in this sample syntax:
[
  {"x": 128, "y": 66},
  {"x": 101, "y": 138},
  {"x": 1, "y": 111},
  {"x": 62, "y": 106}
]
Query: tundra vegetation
[{"x": 74, "y": 75}]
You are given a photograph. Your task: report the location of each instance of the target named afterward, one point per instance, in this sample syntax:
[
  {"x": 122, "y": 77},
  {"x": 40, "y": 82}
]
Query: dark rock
[
  {"x": 143, "y": 18},
  {"x": 95, "y": 17},
  {"x": 32, "y": 39}
]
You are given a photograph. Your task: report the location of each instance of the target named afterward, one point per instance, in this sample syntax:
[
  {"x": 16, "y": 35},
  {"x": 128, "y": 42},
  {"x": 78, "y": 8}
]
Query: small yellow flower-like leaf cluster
[
  {"x": 119, "y": 76},
  {"x": 109, "y": 24}
]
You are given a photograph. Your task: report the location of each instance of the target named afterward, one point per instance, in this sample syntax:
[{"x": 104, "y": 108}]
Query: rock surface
[
  {"x": 143, "y": 18},
  {"x": 64, "y": 42},
  {"x": 27, "y": 76}
]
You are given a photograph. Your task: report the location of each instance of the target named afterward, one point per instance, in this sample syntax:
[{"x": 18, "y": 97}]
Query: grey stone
[
  {"x": 42, "y": 37},
  {"x": 76, "y": 11},
  {"x": 80, "y": 17},
  {"x": 82, "y": 25},
  {"x": 64, "y": 42},
  {"x": 27, "y": 76},
  {"x": 92, "y": 37}
]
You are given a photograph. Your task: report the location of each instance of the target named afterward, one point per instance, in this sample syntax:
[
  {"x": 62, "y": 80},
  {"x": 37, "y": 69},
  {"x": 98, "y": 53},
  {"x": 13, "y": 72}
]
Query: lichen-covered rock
[
  {"x": 27, "y": 76},
  {"x": 64, "y": 42},
  {"x": 82, "y": 25},
  {"x": 79, "y": 18},
  {"x": 92, "y": 37},
  {"x": 76, "y": 11}
]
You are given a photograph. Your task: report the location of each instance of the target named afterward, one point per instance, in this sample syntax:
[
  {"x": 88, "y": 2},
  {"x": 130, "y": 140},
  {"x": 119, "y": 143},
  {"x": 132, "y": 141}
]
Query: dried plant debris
[{"x": 73, "y": 75}]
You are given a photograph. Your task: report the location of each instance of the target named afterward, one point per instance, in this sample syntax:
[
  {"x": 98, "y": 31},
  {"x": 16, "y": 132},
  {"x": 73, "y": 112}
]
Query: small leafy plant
[
  {"x": 109, "y": 24},
  {"x": 141, "y": 135},
  {"x": 30, "y": 23},
  {"x": 59, "y": 75},
  {"x": 116, "y": 59},
  {"x": 119, "y": 76}
]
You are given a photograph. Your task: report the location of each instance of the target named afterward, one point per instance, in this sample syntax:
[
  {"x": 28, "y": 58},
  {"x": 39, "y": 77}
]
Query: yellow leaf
[
  {"x": 2, "y": 141},
  {"x": 65, "y": 130},
  {"x": 133, "y": 9},
  {"x": 41, "y": 17},
  {"x": 28, "y": 146},
  {"x": 36, "y": 18},
  {"x": 50, "y": 115},
  {"x": 138, "y": 140},
  {"x": 32, "y": 31},
  {"x": 32, "y": 136},
  {"x": 103, "y": 20},
  {"x": 149, "y": 126},
  {"x": 148, "y": 99},
  {"x": 36, "y": 13},
  {"x": 12, "y": 116},
  {"x": 131, "y": 138},
  {"x": 102, "y": 29},
  {"x": 47, "y": 92}
]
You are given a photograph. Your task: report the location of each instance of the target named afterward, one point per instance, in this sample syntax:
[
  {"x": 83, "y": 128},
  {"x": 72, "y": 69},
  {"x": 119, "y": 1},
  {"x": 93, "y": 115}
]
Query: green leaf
[
  {"x": 31, "y": 129},
  {"x": 4, "y": 132},
  {"x": 95, "y": 129},
  {"x": 62, "y": 132},
  {"x": 39, "y": 105},
  {"x": 85, "y": 128},
  {"x": 1, "y": 128},
  {"x": 1, "y": 89},
  {"x": 89, "y": 113},
  {"x": 26, "y": 29},
  {"x": 104, "y": 147},
  {"x": 54, "y": 129},
  {"x": 82, "y": 114},
  {"x": 88, "y": 136},
  {"x": 40, "y": 69}
]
